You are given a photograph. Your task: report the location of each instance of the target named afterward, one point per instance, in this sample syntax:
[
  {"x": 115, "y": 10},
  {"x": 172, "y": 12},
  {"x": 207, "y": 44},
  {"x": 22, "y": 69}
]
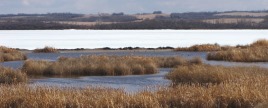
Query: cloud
[{"x": 25, "y": 2}]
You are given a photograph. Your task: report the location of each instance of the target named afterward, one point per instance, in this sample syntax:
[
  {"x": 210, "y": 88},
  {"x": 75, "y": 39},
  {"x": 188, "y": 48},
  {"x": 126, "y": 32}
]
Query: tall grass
[
  {"x": 251, "y": 54},
  {"x": 92, "y": 65},
  {"x": 255, "y": 52},
  {"x": 10, "y": 54},
  {"x": 260, "y": 43},
  {"x": 171, "y": 62},
  {"x": 207, "y": 86},
  {"x": 11, "y": 76},
  {"x": 203, "y": 47},
  {"x": 46, "y": 49}
]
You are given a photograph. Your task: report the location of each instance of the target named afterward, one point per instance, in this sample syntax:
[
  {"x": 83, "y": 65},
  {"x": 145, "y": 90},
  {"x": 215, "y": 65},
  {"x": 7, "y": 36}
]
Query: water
[{"x": 70, "y": 39}]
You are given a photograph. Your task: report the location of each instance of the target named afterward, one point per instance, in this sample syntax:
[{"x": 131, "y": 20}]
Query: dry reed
[
  {"x": 11, "y": 76},
  {"x": 10, "y": 54},
  {"x": 251, "y": 54},
  {"x": 92, "y": 65},
  {"x": 46, "y": 49},
  {"x": 203, "y": 47}
]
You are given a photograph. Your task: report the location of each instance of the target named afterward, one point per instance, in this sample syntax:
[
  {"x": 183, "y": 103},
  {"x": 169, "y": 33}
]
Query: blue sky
[{"x": 127, "y": 6}]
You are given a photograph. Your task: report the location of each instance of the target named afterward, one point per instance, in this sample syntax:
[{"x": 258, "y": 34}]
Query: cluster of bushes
[{"x": 10, "y": 54}]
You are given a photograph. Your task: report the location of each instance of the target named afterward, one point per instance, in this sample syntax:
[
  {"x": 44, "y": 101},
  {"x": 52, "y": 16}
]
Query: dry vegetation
[
  {"x": 9, "y": 54},
  {"x": 92, "y": 65},
  {"x": 203, "y": 47},
  {"x": 256, "y": 52},
  {"x": 205, "y": 86},
  {"x": 195, "y": 86},
  {"x": 46, "y": 49},
  {"x": 11, "y": 76},
  {"x": 104, "y": 65}
]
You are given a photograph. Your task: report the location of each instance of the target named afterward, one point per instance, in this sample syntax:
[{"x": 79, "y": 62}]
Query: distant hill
[{"x": 155, "y": 20}]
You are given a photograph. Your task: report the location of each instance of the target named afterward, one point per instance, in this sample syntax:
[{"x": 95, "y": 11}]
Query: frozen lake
[{"x": 70, "y": 39}]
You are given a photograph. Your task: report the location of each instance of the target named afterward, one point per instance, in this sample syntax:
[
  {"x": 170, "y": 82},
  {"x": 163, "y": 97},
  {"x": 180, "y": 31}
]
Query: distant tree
[{"x": 157, "y": 12}]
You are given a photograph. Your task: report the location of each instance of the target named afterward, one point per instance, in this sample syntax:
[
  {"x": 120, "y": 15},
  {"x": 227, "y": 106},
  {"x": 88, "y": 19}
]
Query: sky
[{"x": 127, "y": 6}]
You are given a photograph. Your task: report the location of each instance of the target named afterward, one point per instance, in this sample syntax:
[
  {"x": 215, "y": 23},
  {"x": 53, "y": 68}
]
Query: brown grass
[
  {"x": 203, "y": 47},
  {"x": 217, "y": 86},
  {"x": 46, "y": 49},
  {"x": 92, "y": 65},
  {"x": 255, "y": 52},
  {"x": 171, "y": 62},
  {"x": 11, "y": 76},
  {"x": 260, "y": 43},
  {"x": 251, "y": 54},
  {"x": 10, "y": 54}
]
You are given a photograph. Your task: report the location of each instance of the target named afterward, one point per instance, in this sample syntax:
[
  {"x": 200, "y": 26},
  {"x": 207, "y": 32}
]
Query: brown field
[
  {"x": 150, "y": 16},
  {"x": 84, "y": 23},
  {"x": 10, "y": 54},
  {"x": 46, "y": 49},
  {"x": 233, "y": 20},
  {"x": 255, "y": 14}
]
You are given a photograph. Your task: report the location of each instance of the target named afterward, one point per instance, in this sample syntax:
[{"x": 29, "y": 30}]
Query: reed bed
[
  {"x": 46, "y": 49},
  {"x": 10, "y": 54},
  {"x": 92, "y": 65},
  {"x": 251, "y": 54},
  {"x": 260, "y": 43},
  {"x": 255, "y": 52},
  {"x": 206, "y": 86},
  {"x": 171, "y": 62},
  {"x": 11, "y": 76},
  {"x": 203, "y": 47}
]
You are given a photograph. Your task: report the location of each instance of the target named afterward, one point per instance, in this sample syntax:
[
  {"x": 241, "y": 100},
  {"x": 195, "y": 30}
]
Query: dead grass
[
  {"x": 11, "y": 76},
  {"x": 10, "y": 54},
  {"x": 206, "y": 86},
  {"x": 203, "y": 47},
  {"x": 171, "y": 62},
  {"x": 255, "y": 52},
  {"x": 46, "y": 49},
  {"x": 260, "y": 43},
  {"x": 92, "y": 65}
]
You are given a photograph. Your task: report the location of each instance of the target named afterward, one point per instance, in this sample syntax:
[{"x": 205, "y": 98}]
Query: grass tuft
[{"x": 46, "y": 49}]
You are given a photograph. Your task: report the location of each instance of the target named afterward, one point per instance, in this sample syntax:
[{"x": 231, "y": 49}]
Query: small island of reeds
[
  {"x": 46, "y": 49},
  {"x": 103, "y": 65},
  {"x": 10, "y": 54}
]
